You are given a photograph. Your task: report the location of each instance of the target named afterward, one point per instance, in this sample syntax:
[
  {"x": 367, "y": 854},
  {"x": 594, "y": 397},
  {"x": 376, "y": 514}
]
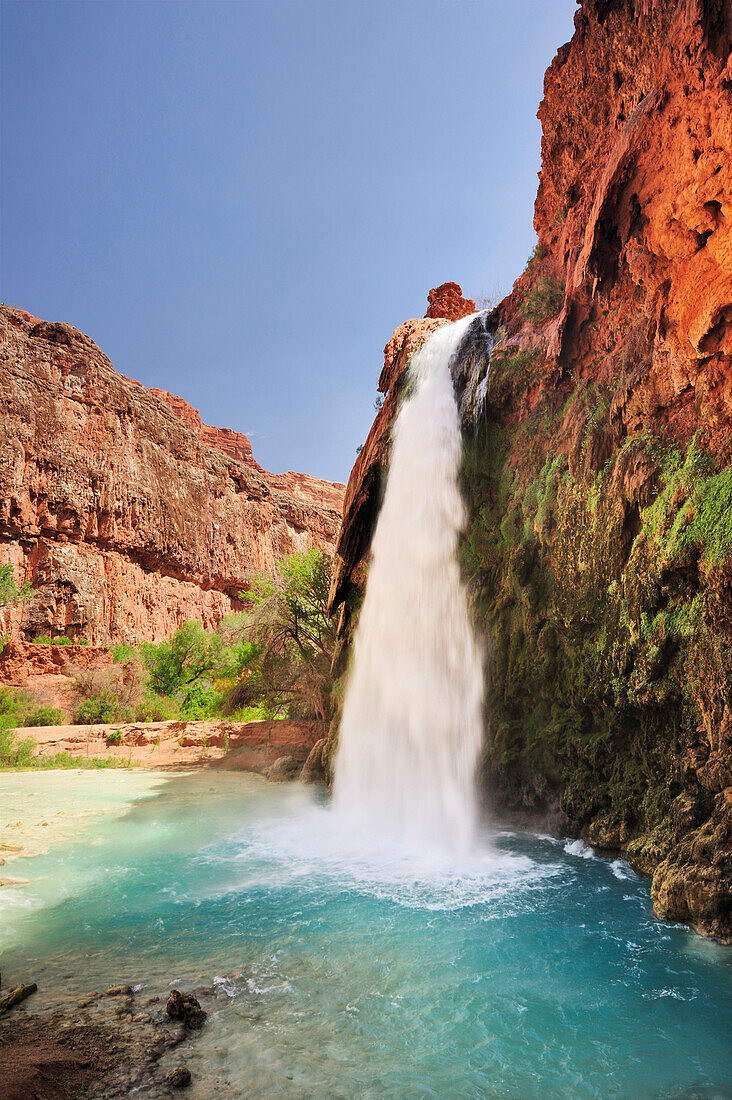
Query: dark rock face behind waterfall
[{"x": 597, "y": 461}]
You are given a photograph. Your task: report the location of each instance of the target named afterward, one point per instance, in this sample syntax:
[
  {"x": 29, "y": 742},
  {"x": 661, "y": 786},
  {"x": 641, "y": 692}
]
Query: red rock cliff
[{"x": 126, "y": 512}]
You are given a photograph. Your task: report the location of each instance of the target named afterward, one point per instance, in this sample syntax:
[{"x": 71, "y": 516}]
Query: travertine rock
[{"x": 127, "y": 514}]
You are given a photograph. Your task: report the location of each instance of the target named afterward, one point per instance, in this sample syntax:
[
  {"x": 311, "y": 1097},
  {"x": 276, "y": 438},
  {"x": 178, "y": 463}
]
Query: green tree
[
  {"x": 191, "y": 655},
  {"x": 291, "y": 639}
]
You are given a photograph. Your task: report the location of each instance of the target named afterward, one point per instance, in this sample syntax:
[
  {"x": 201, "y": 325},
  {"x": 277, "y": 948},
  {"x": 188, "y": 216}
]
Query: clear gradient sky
[{"x": 240, "y": 200}]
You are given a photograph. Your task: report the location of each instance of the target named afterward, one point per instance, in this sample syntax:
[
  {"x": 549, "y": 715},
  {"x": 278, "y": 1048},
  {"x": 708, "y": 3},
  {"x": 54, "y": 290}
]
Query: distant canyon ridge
[{"x": 125, "y": 511}]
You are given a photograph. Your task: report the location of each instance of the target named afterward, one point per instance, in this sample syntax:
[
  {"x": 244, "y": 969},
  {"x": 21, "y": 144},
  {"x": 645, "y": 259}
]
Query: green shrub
[
  {"x": 536, "y": 255},
  {"x": 291, "y": 639},
  {"x": 20, "y": 708},
  {"x": 252, "y": 714},
  {"x": 65, "y": 760},
  {"x": 114, "y": 737},
  {"x": 108, "y": 694},
  {"x": 191, "y": 654},
  {"x": 46, "y": 639},
  {"x": 45, "y": 716},
  {"x": 10, "y": 593},
  {"x": 101, "y": 708},
  {"x": 14, "y": 753},
  {"x": 543, "y": 300}
]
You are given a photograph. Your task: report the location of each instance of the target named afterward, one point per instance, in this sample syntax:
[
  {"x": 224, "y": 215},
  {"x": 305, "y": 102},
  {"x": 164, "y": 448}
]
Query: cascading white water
[{"x": 411, "y": 729}]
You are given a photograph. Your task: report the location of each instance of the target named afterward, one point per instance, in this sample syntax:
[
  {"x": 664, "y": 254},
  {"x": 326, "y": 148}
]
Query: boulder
[
  {"x": 284, "y": 768},
  {"x": 185, "y": 1007}
]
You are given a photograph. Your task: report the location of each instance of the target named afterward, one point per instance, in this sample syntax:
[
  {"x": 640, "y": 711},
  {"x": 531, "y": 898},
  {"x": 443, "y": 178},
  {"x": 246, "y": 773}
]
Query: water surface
[{"x": 349, "y": 970}]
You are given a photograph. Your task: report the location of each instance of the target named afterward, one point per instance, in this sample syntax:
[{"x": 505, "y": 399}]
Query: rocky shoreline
[{"x": 109, "y": 1044}]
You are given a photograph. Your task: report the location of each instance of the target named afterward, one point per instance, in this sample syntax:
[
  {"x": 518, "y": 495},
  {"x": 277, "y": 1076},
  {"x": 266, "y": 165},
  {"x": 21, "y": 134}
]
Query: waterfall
[{"x": 412, "y": 727}]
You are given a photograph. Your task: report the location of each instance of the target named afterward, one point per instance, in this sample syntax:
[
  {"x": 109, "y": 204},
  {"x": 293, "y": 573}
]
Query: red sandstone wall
[{"x": 129, "y": 517}]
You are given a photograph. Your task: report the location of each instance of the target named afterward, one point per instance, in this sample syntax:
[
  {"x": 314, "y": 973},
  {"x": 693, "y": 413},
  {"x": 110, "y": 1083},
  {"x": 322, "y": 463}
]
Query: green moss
[{"x": 693, "y": 512}]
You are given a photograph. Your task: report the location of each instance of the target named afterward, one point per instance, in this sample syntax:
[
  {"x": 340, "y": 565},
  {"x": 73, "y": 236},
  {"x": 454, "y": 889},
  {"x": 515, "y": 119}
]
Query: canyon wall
[
  {"x": 126, "y": 512},
  {"x": 597, "y": 472}
]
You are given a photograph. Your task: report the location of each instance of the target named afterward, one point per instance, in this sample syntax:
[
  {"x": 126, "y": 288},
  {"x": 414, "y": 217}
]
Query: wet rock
[
  {"x": 119, "y": 991},
  {"x": 179, "y": 1077},
  {"x": 694, "y": 882},
  {"x": 107, "y": 1051},
  {"x": 185, "y": 1007}
]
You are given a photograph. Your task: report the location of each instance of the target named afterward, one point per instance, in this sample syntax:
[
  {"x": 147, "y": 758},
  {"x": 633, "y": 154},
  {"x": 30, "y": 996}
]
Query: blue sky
[{"x": 239, "y": 201}]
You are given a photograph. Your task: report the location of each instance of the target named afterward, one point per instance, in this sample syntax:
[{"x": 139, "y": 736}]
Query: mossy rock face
[{"x": 600, "y": 575}]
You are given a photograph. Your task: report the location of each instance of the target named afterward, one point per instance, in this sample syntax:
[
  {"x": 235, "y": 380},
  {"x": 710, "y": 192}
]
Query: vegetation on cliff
[{"x": 600, "y": 569}]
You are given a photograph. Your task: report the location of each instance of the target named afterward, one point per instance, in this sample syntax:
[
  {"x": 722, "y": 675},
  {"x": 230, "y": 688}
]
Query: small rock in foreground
[{"x": 179, "y": 1077}]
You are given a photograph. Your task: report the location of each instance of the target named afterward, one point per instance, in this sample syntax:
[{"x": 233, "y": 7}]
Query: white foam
[
  {"x": 620, "y": 869},
  {"x": 579, "y": 848},
  {"x": 310, "y": 845}
]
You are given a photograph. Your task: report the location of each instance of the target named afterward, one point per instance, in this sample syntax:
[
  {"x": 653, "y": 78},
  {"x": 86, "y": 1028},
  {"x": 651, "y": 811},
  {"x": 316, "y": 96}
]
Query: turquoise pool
[{"x": 533, "y": 969}]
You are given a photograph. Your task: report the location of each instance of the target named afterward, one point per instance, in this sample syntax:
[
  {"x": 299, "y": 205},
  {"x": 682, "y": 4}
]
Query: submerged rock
[{"x": 99, "y": 1049}]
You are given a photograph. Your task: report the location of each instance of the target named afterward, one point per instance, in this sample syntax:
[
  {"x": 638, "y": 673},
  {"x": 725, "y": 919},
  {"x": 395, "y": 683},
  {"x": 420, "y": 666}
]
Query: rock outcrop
[
  {"x": 127, "y": 513},
  {"x": 597, "y": 469}
]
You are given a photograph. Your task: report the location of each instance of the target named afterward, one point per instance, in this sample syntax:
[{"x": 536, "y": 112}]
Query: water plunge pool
[{"x": 346, "y": 969}]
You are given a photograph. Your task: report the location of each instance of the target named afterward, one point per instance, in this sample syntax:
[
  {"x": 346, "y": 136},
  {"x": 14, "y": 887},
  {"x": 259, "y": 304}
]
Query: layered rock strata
[
  {"x": 597, "y": 462},
  {"x": 126, "y": 513}
]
